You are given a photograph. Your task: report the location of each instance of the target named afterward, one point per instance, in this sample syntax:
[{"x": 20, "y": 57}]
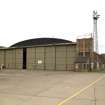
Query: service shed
[{"x": 40, "y": 54}]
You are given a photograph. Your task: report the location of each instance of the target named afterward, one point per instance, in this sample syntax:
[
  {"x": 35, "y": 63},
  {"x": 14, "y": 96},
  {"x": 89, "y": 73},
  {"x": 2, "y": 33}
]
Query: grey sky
[{"x": 68, "y": 19}]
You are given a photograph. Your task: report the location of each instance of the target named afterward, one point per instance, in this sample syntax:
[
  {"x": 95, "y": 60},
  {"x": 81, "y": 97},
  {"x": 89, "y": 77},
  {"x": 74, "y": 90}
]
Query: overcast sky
[{"x": 68, "y": 19}]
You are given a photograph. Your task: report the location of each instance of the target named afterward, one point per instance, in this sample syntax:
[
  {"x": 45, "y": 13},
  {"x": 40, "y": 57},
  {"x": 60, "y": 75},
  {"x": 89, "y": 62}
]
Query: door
[{"x": 24, "y": 58}]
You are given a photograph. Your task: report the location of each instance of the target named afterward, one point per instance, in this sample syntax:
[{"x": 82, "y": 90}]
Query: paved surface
[{"x": 50, "y": 88}]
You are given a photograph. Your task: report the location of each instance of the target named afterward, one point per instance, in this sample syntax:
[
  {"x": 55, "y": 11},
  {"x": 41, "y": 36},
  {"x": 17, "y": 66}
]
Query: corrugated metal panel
[
  {"x": 31, "y": 58},
  {"x": 40, "y": 64},
  {"x": 71, "y": 56},
  {"x": 19, "y": 58},
  {"x": 10, "y": 59},
  {"x": 7, "y": 59},
  {"x": 13, "y": 58},
  {"x": 41, "y": 58},
  {"x": 1, "y": 57},
  {"x": 60, "y": 58},
  {"x": 49, "y": 58}
]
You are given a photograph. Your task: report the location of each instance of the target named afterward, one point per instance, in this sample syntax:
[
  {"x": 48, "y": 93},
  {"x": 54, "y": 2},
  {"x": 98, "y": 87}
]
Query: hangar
[
  {"x": 52, "y": 54},
  {"x": 40, "y": 54}
]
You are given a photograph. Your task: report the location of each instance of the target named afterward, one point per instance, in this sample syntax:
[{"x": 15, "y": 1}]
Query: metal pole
[{"x": 95, "y": 35}]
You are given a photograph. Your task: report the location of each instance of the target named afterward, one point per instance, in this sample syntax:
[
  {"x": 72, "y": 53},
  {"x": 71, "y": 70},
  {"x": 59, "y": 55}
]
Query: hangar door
[
  {"x": 39, "y": 61},
  {"x": 10, "y": 59},
  {"x": 71, "y": 56},
  {"x": 31, "y": 59},
  {"x": 2, "y": 56},
  {"x": 41, "y": 58},
  {"x": 61, "y": 58},
  {"x": 49, "y": 58},
  {"x": 19, "y": 58}
]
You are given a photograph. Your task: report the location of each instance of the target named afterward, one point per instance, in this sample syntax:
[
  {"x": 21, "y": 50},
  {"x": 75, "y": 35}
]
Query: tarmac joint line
[{"x": 80, "y": 91}]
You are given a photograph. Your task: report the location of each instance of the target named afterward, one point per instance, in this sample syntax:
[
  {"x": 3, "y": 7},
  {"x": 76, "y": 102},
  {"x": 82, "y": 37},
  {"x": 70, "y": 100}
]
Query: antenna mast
[{"x": 95, "y": 34}]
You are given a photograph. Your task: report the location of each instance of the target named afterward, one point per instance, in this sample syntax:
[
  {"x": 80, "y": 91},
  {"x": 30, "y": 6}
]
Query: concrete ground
[{"x": 51, "y": 88}]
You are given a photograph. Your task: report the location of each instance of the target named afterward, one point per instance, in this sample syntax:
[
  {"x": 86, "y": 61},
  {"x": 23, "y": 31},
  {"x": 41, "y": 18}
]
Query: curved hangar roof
[{"x": 40, "y": 41}]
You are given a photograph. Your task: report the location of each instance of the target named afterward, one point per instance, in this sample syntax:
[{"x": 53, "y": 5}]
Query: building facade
[
  {"x": 41, "y": 56},
  {"x": 51, "y": 54}
]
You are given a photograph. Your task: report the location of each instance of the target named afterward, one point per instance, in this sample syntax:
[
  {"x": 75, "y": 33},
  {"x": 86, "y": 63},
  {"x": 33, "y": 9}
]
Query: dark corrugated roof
[{"x": 40, "y": 41}]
